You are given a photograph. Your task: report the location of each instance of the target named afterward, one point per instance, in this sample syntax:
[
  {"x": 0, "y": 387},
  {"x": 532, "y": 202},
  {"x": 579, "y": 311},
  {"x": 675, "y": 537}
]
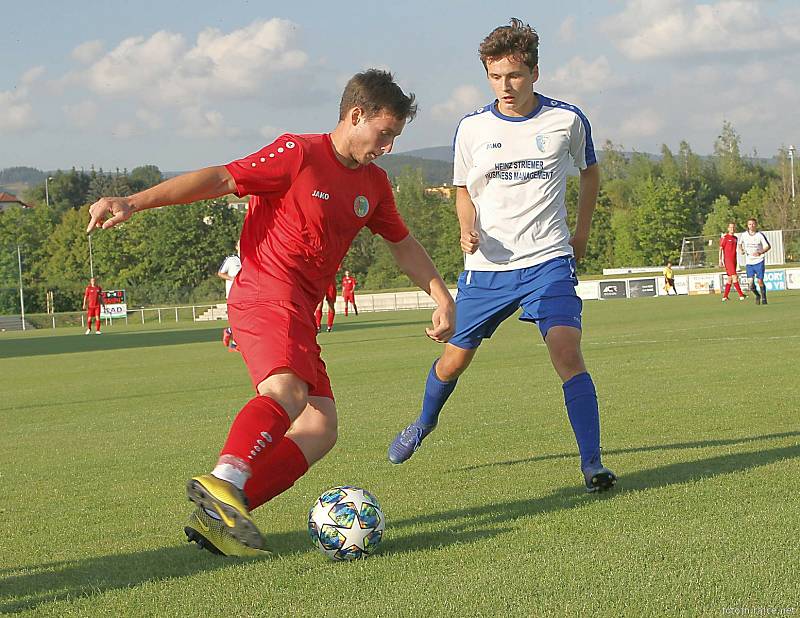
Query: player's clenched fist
[
  {"x": 469, "y": 242},
  {"x": 108, "y": 211}
]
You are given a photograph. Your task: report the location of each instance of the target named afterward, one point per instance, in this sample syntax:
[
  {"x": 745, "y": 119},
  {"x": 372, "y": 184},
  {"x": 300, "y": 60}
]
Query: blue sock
[
  {"x": 436, "y": 394},
  {"x": 581, "y": 399}
]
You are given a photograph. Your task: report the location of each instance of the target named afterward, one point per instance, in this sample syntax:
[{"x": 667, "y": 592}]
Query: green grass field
[{"x": 699, "y": 405}]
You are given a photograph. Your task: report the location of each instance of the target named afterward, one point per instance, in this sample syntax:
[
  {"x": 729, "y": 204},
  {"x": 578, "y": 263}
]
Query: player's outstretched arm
[
  {"x": 414, "y": 261},
  {"x": 203, "y": 184},
  {"x": 587, "y": 200}
]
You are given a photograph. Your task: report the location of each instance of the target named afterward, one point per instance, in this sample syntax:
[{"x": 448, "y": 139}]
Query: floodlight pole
[
  {"x": 91, "y": 259},
  {"x": 47, "y": 190},
  {"x": 21, "y": 296},
  {"x": 791, "y": 168}
]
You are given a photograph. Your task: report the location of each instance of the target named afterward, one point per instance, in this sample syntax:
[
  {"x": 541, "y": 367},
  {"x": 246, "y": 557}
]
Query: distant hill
[
  {"x": 17, "y": 179},
  {"x": 437, "y": 153},
  {"x": 435, "y": 172}
]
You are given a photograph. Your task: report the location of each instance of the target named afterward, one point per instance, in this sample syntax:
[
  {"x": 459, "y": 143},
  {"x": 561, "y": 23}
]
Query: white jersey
[
  {"x": 231, "y": 266},
  {"x": 753, "y": 243},
  {"x": 515, "y": 170}
]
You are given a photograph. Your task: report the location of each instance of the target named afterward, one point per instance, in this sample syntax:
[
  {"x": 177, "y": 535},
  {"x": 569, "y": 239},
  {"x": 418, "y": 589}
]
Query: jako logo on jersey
[
  {"x": 320, "y": 195},
  {"x": 494, "y": 145},
  {"x": 361, "y": 206},
  {"x": 542, "y": 141}
]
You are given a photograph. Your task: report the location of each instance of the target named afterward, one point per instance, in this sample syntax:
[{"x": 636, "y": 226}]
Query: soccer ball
[{"x": 346, "y": 523}]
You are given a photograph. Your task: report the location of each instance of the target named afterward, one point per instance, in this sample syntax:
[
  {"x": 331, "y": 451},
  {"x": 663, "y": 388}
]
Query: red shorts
[
  {"x": 93, "y": 312},
  {"x": 730, "y": 269},
  {"x": 276, "y": 334},
  {"x": 349, "y": 295},
  {"x": 330, "y": 293}
]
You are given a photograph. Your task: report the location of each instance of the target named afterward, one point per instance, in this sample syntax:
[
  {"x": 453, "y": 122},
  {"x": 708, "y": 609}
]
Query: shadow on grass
[
  {"x": 64, "y": 344},
  {"x": 638, "y": 449},
  {"x": 459, "y": 525},
  {"x": 36, "y": 585},
  {"x": 239, "y": 388},
  {"x": 43, "y": 346},
  {"x": 32, "y": 586}
]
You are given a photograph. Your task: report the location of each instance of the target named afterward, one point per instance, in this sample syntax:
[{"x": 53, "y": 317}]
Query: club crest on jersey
[
  {"x": 361, "y": 206},
  {"x": 542, "y": 141}
]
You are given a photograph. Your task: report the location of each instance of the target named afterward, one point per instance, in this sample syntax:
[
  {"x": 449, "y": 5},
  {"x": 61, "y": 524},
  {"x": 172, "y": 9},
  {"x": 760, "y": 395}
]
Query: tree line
[{"x": 170, "y": 256}]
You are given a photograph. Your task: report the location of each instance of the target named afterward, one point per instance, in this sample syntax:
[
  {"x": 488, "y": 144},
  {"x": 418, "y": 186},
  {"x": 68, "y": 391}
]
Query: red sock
[
  {"x": 331, "y": 314},
  {"x": 738, "y": 289},
  {"x": 256, "y": 430},
  {"x": 727, "y": 290},
  {"x": 275, "y": 473},
  {"x": 318, "y": 317}
]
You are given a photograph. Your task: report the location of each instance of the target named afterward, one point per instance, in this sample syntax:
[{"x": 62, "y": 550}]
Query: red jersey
[
  {"x": 306, "y": 209},
  {"x": 348, "y": 284},
  {"x": 92, "y": 295},
  {"x": 729, "y": 243}
]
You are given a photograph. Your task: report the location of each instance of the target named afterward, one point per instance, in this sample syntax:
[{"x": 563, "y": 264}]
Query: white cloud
[
  {"x": 199, "y": 123},
  {"x": 463, "y": 100},
  {"x": 579, "y": 76},
  {"x": 81, "y": 114},
  {"x": 31, "y": 75},
  {"x": 16, "y": 114},
  {"x": 149, "y": 119},
  {"x": 164, "y": 69},
  {"x": 269, "y": 133},
  {"x": 125, "y": 130},
  {"x": 566, "y": 31},
  {"x": 88, "y": 52},
  {"x": 641, "y": 123},
  {"x": 647, "y": 30}
]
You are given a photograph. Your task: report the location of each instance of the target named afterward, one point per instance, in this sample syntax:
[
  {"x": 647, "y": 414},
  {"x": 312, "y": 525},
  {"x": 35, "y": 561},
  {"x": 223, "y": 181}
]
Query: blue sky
[{"x": 186, "y": 84}]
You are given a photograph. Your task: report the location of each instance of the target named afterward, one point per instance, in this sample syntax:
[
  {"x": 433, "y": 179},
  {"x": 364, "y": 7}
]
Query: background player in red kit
[
  {"x": 93, "y": 295},
  {"x": 727, "y": 260},
  {"x": 311, "y": 196},
  {"x": 330, "y": 298},
  {"x": 349, "y": 291}
]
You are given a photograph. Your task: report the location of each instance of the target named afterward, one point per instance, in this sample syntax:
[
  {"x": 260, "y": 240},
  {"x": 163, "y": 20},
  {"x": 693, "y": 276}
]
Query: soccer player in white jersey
[
  {"x": 510, "y": 171},
  {"x": 228, "y": 271},
  {"x": 753, "y": 244}
]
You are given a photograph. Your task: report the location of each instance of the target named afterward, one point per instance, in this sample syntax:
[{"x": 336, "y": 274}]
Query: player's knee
[
  {"x": 329, "y": 437},
  {"x": 292, "y": 395},
  {"x": 450, "y": 368},
  {"x": 567, "y": 360}
]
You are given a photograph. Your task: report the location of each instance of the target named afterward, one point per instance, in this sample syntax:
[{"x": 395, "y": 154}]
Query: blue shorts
[
  {"x": 546, "y": 293},
  {"x": 755, "y": 270}
]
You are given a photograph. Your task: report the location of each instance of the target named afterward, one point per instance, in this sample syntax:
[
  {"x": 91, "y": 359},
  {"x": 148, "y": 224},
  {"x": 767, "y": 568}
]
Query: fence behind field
[
  {"x": 644, "y": 285},
  {"x": 703, "y": 251}
]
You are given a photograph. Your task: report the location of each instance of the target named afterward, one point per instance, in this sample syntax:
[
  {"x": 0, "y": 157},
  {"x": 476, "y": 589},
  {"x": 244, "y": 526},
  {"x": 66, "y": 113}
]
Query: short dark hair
[
  {"x": 375, "y": 91},
  {"x": 753, "y": 219},
  {"x": 518, "y": 40}
]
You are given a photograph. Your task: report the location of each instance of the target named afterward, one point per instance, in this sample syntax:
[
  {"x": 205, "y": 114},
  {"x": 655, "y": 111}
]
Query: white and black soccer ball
[{"x": 346, "y": 523}]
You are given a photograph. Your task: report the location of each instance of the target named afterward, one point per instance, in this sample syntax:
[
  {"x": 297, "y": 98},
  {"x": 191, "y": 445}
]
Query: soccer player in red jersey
[
  {"x": 93, "y": 295},
  {"x": 349, "y": 291},
  {"x": 727, "y": 260},
  {"x": 330, "y": 297},
  {"x": 311, "y": 195}
]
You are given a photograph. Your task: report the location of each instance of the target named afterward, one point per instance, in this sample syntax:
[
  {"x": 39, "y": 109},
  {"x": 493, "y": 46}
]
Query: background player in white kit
[
  {"x": 228, "y": 271},
  {"x": 754, "y": 245},
  {"x": 510, "y": 169}
]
